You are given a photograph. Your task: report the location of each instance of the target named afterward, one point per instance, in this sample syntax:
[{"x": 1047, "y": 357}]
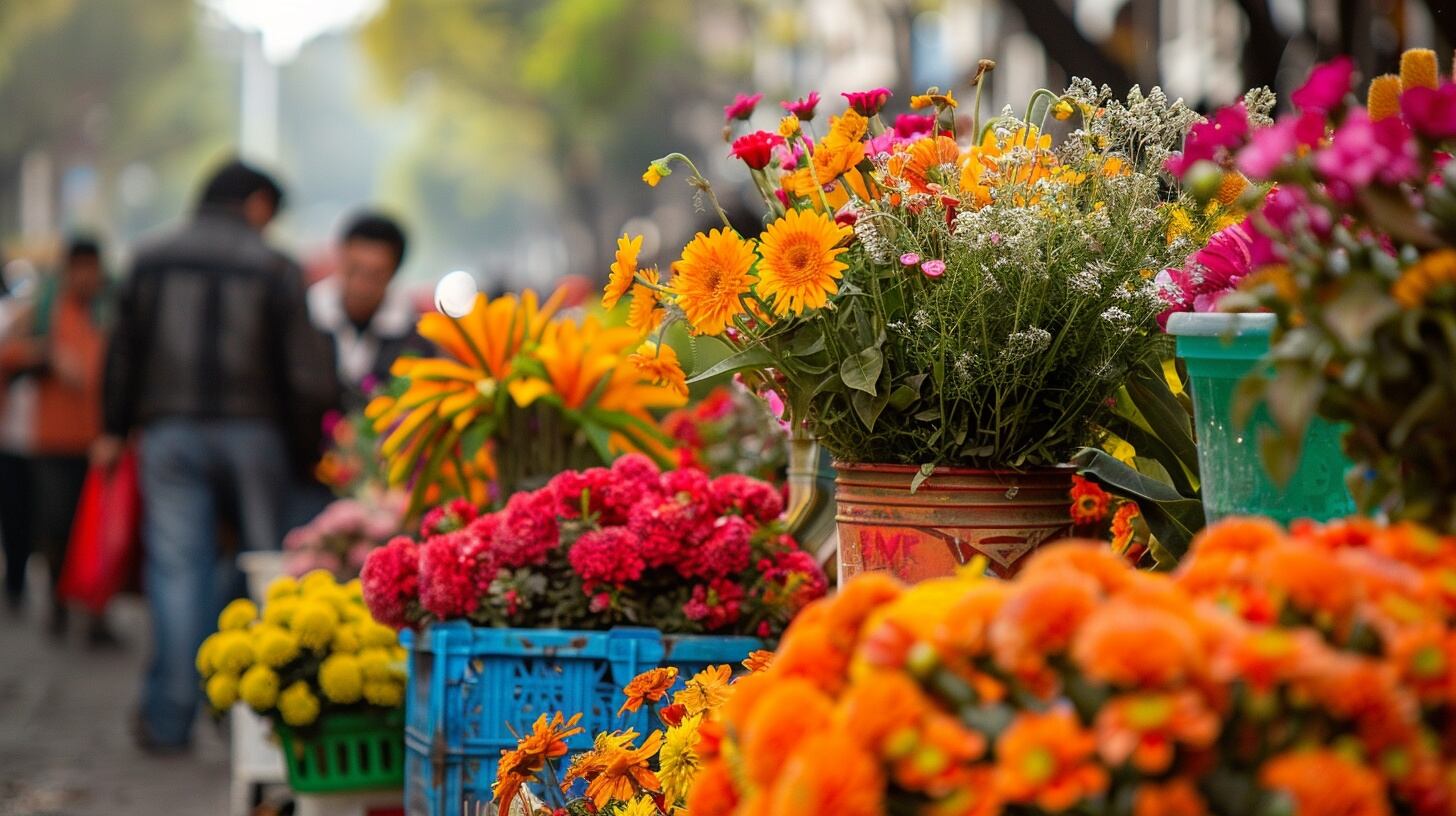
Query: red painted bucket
[{"x": 954, "y": 515}]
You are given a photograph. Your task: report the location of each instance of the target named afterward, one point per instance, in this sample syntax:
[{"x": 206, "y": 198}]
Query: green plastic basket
[
  {"x": 346, "y": 752},
  {"x": 1220, "y": 350}
]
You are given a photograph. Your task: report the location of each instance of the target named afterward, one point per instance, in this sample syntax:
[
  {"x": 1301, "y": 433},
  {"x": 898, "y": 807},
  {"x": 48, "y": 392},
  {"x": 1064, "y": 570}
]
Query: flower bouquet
[
  {"x": 342, "y": 536},
  {"x": 518, "y": 394},
  {"x": 1355, "y": 253},
  {"x": 1307, "y": 673},
  {"x": 592, "y": 549},
  {"x": 932, "y": 293},
  {"x": 331, "y": 679}
]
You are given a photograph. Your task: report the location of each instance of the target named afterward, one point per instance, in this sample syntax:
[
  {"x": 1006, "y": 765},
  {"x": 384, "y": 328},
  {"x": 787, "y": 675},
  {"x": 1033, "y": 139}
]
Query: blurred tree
[{"x": 104, "y": 85}]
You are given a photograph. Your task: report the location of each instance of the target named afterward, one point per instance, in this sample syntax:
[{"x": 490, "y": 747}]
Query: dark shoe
[{"x": 150, "y": 745}]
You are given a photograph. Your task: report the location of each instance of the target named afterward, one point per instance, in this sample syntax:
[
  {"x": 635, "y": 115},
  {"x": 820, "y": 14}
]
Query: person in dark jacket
[{"x": 214, "y": 368}]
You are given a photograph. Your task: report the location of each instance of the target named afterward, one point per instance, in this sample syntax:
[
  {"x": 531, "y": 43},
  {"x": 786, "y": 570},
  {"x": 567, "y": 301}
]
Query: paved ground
[{"x": 64, "y": 744}]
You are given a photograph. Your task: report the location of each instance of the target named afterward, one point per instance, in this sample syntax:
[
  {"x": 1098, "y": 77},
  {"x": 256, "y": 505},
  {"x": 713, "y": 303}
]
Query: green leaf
[
  {"x": 1172, "y": 517},
  {"x": 1292, "y": 397},
  {"x": 751, "y": 357},
  {"x": 1280, "y": 453},
  {"x": 1166, "y": 417},
  {"x": 868, "y": 407},
  {"x": 474, "y": 436},
  {"x": 860, "y": 371}
]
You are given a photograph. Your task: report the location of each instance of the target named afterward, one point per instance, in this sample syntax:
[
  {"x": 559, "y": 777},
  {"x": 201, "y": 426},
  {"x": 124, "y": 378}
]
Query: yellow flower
[
  {"x": 1233, "y": 185},
  {"x": 624, "y": 270},
  {"x": 800, "y": 266},
  {"x": 614, "y": 770},
  {"x": 714, "y": 272},
  {"x": 319, "y": 580},
  {"x": 678, "y": 761},
  {"x": 706, "y": 690},
  {"x": 789, "y": 127},
  {"x": 237, "y": 615},
  {"x": 644, "y": 314},
  {"x": 1063, "y": 110},
  {"x": 281, "y": 587},
  {"x": 656, "y": 172},
  {"x": 232, "y": 653},
  {"x": 641, "y": 806},
  {"x": 659, "y": 364},
  {"x": 314, "y": 623},
  {"x": 376, "y": 664},
  {"x": 1421, "y": 279},
  {"x": 340, "y": 678},
  {"x": 259, "y": 688},
  {"x": 933, "y": 97},
  {"x": 1418, "y": 69},
  {"x": 222, "y": 691},
  {"x": 205, "y": 656},
  {"x": 298, "y": 705},
  {"x": 583, "y": 364},
  {"x": 847, "y": 127},
  {"x": 1179, "y": 224},
  {"x": 279, "y": 611},
  {"x": 1383, "y": 99},
  {"x": 376, "y": 635},
  {"x": 346, "y": 639},
  {"x": 385, "y": 694},
  {"x": 275, "y": 646}
]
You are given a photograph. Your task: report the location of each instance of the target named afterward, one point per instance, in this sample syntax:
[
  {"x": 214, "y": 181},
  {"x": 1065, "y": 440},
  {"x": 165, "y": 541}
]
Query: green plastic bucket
[
  {"x": 346, "y": 752},
  {"x": 1219, "y": 350}
]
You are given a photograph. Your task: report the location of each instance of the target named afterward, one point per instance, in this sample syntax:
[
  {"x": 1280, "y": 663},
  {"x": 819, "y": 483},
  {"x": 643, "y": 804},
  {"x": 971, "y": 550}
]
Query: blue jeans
[{"x": 194, "y": 474}]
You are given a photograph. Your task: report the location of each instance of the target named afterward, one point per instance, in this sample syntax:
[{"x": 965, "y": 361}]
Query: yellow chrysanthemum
[
  {"x": 354, "y": 613},
  {"x": 789, "y": 126},
  {"x": 849, "y": 126},
  {"x": 314, "y": 623},
  {"x": 281, "y": 587},
  {"x": 1421, "y": 279},
  {"x": 641, "y": 806},
  {"x": 274, "y": 645},
  {"x": 222, "y": 690},
  {"x": 340, "y": 678},
  {"x": 204, "y": 659},
  {"x": 644, "y": 313},
  {"x": 800, "y": 266},
  {"x": 659, "y": 364},
  {"x": 298, "y": 705},
  {"x": 376, "y": 664},
  {"x": 347, "y": 639},
  {"x": 376, "y": 635},
  {"x": 1383, "y": 99},
  {"x": 237, "y": 615},
  {"x": 714, "y": 272},
  {"x": 232, "y": 652},
  {"x": 1418, "y": 69},
  {"x": 279, "y": 611},
  {"x": 259, "y": 688},
  {"x": 678, "y": 761},
  {"x": 318, "y": 580},
  {"x": 386, "y": 694},
  {"x": 624, "y": 269}
]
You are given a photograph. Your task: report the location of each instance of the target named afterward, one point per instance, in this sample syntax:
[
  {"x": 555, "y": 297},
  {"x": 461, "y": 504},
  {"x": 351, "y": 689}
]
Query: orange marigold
[
  {"x": 882, "y": 708},
  {"x": 712, "y": 792},
  {"x": 706, "y": 690},
  {"x": 1323, "y": 782},
  {"x": 1038, "y": 621},
  {"x": 808, "y": 651},
  {"x": 942, "y": 749},
  {"x": 848, "y": 610},
  {"x": 1309, "y": 579},
  {"x": 1243, "y": 535},
  {"x": 648, "y": 687},
  {"x": 790, "y": 710},
  {"x": 1048, "y": 760},
  {"x": 613, "y": 769},
  {"x": 1084, "y": 557},
  {"x": 1132, "y": 646},
  {"x": 758, "y": 660},
  {"x": 829, "y": 773},
  {"x": 1176, "y": 797}
]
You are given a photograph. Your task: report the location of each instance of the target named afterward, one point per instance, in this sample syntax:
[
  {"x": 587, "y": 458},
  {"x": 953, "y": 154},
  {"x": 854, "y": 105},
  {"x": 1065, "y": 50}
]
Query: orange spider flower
[
  {"x": 706, "y": 690},
  {"x": 1322, "y": 781},
  {"x": 1048, "y": 760},
  {"x": 800, "y": 265},
  {"x": 1145, "y": 729},
  {"x": 649, "y": 687},
  {"x": 614, "y": 770},
  {"x": 828, "y": 773},
  {"x": 715, "y": 271}
]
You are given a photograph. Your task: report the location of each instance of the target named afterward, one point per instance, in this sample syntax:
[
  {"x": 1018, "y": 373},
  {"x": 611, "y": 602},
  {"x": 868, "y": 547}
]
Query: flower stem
[{"x": 704, "y": 185}]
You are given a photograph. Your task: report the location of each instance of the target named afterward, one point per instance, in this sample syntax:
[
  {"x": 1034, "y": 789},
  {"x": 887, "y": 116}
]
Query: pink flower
[
  {"x": 1271, "y": 147},
  {"x": 1212, "y": 140},
  {"x": 847, "y": 215},
  {"x": 725, "y": 552},
  {"x": 910, "y": 125},
  {"x": 783, "y": 196},
  {"x": 933, "y": 269},
  {"x": 663, "y": 528},
  {"x": 454, "y": 568},
  {"x": 909, "y": 259},
  {"x": 756, "y": 149},
  {"x": 1430, "y": 112},
  {"x": 800, "y": 574},
  {"x": 802, "y": 107},
  {"x": 1362, "y": 152},
  {"x": 608, "y": 556},
  {"x": 1326, "y": 87},
  {"x": 756, "y": 500},
  {"x": 883, "y": 144},
  {"x": 775, "y": 403},
  {"x": 868, "y": 103},
  {"x": 742, "y": 107},
  {"x": 716, "y": 605},
  {"x": 390, "y": 580},
  {"x": 1285, "y": 211},
  {"x": 1208, "y": 274},
  {"x": 524, "y": 533}
]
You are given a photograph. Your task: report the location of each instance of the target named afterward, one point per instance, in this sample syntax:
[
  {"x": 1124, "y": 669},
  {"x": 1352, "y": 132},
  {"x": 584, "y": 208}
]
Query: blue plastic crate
[{"x": 469, "y": 686}]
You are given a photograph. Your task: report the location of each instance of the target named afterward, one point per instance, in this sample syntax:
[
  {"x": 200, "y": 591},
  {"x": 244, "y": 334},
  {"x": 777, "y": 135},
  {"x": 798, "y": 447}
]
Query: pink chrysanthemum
[
  {"x": 608, "y": 556},
  {"x": 756, "y": 500},
  {"x": 391, "y": 582},
  {"x": 526, "y": 532},
  {"x": 726, "y": 551}
]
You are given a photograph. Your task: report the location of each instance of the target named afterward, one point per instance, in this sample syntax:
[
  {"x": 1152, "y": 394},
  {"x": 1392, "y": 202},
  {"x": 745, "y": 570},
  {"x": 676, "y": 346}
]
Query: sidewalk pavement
[{"x": 65, "y": 745}]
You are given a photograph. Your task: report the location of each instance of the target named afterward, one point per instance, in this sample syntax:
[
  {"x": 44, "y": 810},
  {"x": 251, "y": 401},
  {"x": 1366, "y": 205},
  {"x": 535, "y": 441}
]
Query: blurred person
[
  {"x": 370, "y": 321},
  {"x": 214, "y": 367},
  {"x": 61, "y": 342},
  {"x": 17, "y": 431}
]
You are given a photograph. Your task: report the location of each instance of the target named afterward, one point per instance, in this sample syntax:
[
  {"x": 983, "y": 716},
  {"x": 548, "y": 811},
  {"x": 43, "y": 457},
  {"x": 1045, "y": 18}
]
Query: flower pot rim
[
  {"x": 1220, "y": 324},
  {"x": 952, "y": 470}
]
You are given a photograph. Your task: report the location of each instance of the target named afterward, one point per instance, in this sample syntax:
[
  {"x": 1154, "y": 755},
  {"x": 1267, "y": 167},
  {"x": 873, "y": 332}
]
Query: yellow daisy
[
  {"x": 624, "y": 269},
  {"x": 801, "y": 265},
  {"x": 644, "y": 313},
  {"x": 659, "y": 363},
  {"x": 715, "y": 270}
]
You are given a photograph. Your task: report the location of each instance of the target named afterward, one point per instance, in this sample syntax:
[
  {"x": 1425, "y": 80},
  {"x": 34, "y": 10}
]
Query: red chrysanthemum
[
  {"x": 608, "y": 556},
  {"x": 447, "y": 518},
  {"x": 391, "y": 581},
  {"x": 756, "y": 500},
  {"x": 663, "y": 528},
  {"x": 453, "y": 567},
  {"x": 756, "y": 149},
  {"x": 716, "y": 605},
  {"x": 725, "y": 552},
  {"x": 527, "y": 531}
]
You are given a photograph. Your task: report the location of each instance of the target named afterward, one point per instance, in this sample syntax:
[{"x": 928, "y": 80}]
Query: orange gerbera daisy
[
  {"x": 800, "y": 266},
  {"x": 1323, "y": 781},
  {"x": 624, "y": 270},
  {"x": 706, "y": 690},
  {"x": 644, "y": 313},
  {"x": 659, "y": 364},
  {"x": 829, "y": 773},
  {"x": 935, "y": 160},
  {"x": 715, "y": 271},
  {"x": 1048, "y": 760},
  {"x": 613, "y": 769},
  {"x": 649, "y": 687}
]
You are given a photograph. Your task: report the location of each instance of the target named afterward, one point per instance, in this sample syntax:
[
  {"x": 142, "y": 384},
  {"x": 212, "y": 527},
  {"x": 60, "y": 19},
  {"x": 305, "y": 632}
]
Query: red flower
[
  {"x": 913, "y": 124},
  {"x": 447, "y": 518},
  {"x": 868, "y": 103},
  {"x": 725, "y": 552},
  {"x": 800, "y": 573},
  {"x": 663, "y": 527},
  {"x": 716, "y": 605},
  {"x": 1431, "y": 113},
  {"x": 391, "y": 581},
  {"x": 607, "y": 556},
  {"x": 742, "y": 107},
  {"x": 454, "y": 570},
  {"x": 756, "y": 149},
  {"x": 526, "y": 531},
  {"x": 1326, "y": 87},
  {"x": 1089, "y": 502},
  {"x": 756, "y": 500},
  {"x": 802, "y": 107}
]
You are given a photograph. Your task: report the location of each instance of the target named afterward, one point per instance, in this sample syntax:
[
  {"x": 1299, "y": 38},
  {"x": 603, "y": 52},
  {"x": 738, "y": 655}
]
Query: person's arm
[{"x": 121, "y": 375}]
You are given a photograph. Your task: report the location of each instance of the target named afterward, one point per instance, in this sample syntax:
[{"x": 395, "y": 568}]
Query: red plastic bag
[{"x": 105, "y": 544}]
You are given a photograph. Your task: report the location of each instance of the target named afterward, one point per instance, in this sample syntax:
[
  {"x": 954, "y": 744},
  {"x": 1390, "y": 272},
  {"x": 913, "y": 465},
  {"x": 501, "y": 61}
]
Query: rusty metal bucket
[{"x": 954, "y": 515}]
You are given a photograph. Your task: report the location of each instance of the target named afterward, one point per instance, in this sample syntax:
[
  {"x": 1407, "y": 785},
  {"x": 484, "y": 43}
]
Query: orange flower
[
  {"x": 1090, "y": 558},
  {"x": 790, "y": 711},
  {"x": 1176, "y": 797},
  {"x": 829, "y": 773},
  {"x": 1122, "y": 526},
  {"x": 644, "y": 313},
  {"x": 658, "y": 364},
  {"x": 1133, "y": 646},
  {"x": 1308, "y": 578},
  {"x": 758, "y": 660},
  {"x": 613, "y": 769},
  {"x": 1262, "y": 657},
  {"x": 964, "y": 627},
  {"x": 932, "y": 161},
  {"x": 624, "y": 270},
  {"x": 854, "y": 603},
  {"x": 1323, "y": 782},
  {"x": 1238, "y": 535},
  {"x": 649, "y": 687},
  {"x": 1048, "y": 760},
  {"x": 546, "y": 742},
  {"x": 1038, "y": 622},
  {"x": 942, "y": 749},
  {"x": 882, "y": 708},
  {"x": 706, "y": 690},
  {"x": 1145, "y": 729},
  {"x": 714, "y": 273},
  {"x": 800, "y": 266},
  {"x": 712, "y": 792},
  {"x": 748, "y": 691},
  {"x": 1089, "y": 502},
  {"x": 808, "y": 651}
]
